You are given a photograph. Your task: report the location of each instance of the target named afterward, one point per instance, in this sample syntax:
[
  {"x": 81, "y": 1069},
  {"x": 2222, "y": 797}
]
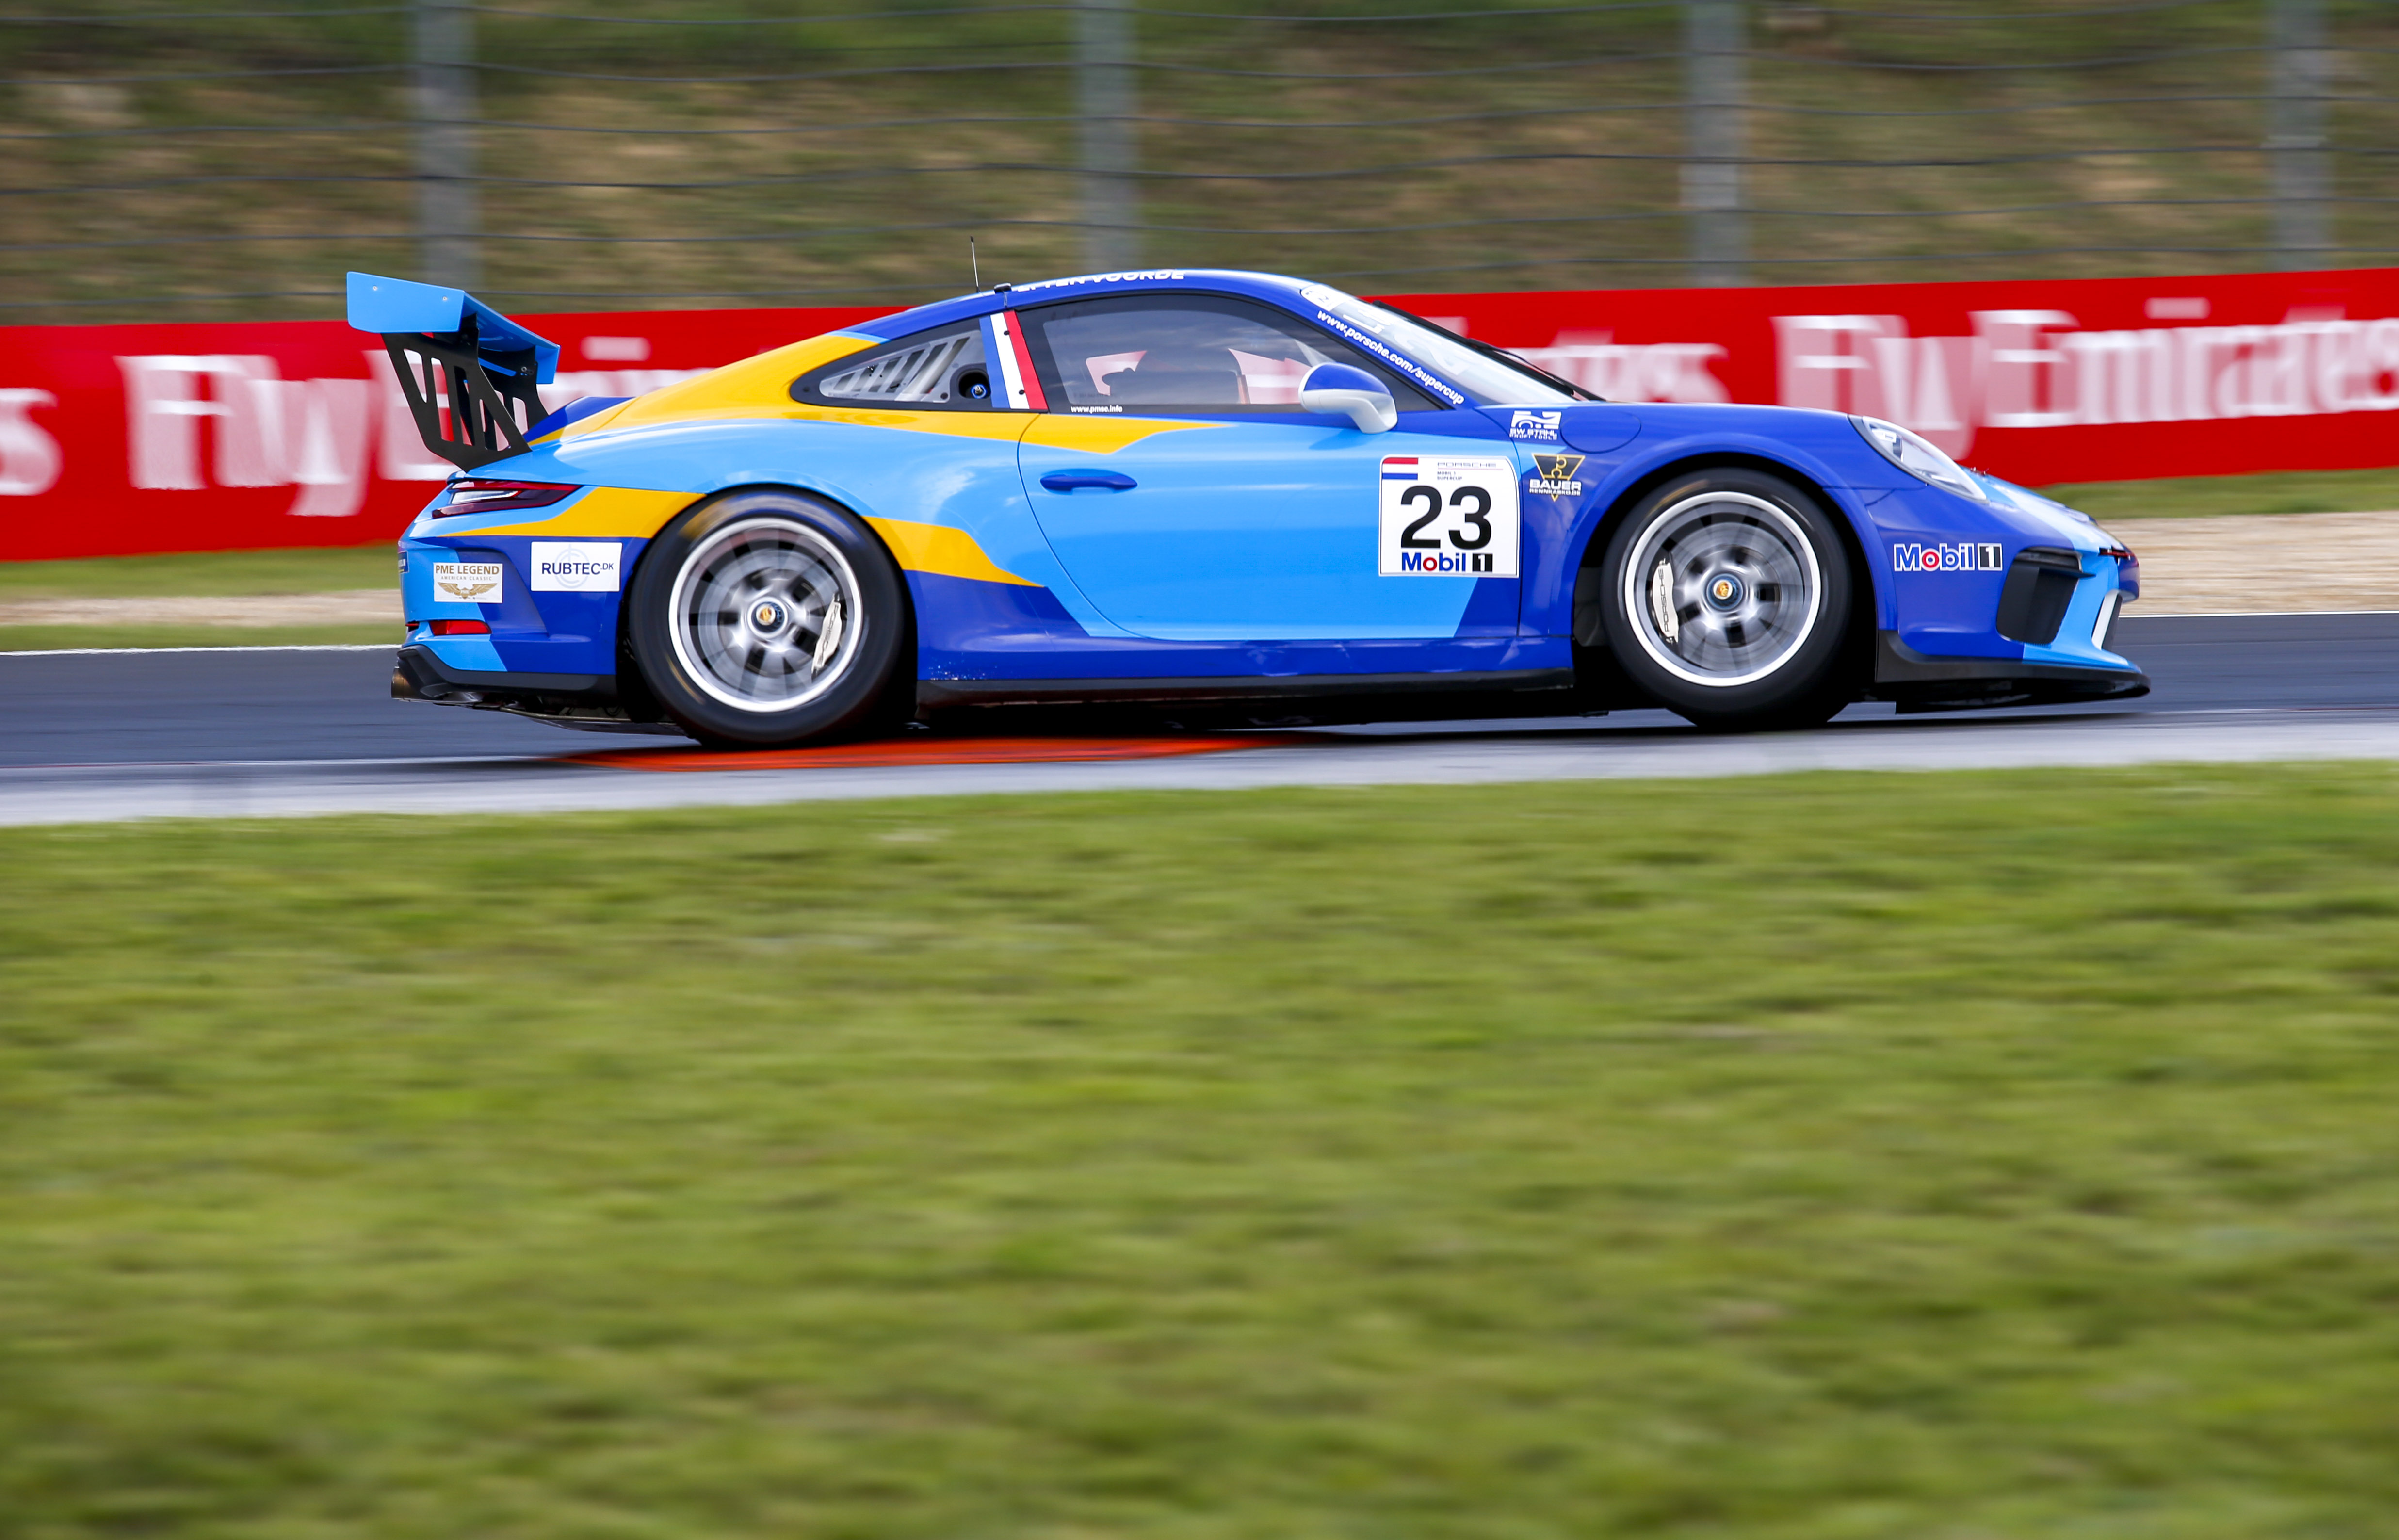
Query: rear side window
[
  {"x": 1184, "y": 353},
  {"x": 937, "y": 370}
]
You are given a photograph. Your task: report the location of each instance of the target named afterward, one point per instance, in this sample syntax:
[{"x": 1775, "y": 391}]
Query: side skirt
[{"x": 1291, "y": 699}]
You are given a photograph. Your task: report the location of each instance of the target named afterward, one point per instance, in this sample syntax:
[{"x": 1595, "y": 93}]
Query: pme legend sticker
[
  {"x": 580, "y": 567},
  {"x": 468, "y": 582},
  {"x": 1448, "y": 515}
]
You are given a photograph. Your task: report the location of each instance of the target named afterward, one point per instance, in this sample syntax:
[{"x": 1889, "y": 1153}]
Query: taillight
[
  {"x": 475, "y": 495},
  {"x": 459, "y": 628}
]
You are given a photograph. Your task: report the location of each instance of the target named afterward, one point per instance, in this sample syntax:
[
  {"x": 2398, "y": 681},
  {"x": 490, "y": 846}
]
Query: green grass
[
  {"x": 35, "y": 638},
  {"x": 2196, "y": 496},
  {"x": 1990, "y": 1156},
  {"x": 203, "y": 574}
]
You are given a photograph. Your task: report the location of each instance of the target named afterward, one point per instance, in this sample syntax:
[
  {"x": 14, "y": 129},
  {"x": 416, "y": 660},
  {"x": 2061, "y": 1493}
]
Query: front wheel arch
[
  {"x": 1603, "y": 528},
  {"x": 1596, "y": 672},
  {"x": 1591, "y": 651}
]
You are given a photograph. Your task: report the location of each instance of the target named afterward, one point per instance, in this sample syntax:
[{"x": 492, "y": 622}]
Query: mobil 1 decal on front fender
[{"x": 1448, "y": 515}]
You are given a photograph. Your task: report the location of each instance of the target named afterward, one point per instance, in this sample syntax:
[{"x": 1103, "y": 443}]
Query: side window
[
  {"x": 1184, "y": 353},
  {"x": 932, "y": 370}
]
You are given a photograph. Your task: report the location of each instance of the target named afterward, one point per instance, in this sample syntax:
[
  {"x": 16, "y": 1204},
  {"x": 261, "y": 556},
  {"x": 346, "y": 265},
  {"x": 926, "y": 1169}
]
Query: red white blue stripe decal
[
  {"x": 1004, "y": 341},
  {"x": 1398, "y": 468}
]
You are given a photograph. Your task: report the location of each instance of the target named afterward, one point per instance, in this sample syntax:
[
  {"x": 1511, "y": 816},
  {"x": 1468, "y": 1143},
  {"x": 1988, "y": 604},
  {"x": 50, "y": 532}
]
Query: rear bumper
[
  {"x": 588, "y": 703},
  {"x": 416, "y": 674},
  {"x": 1919, "y": 682}
]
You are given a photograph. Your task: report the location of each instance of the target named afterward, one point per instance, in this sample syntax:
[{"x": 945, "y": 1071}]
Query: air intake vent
[
  {"x": 2039, "y": 587},
  {"x": 920, "y": 373}
]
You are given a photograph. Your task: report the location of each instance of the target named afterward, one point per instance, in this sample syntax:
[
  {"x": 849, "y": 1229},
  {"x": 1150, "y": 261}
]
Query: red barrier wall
[
  {"x": 116, "y": 439},
  {"x": 2076, "y": 380}
]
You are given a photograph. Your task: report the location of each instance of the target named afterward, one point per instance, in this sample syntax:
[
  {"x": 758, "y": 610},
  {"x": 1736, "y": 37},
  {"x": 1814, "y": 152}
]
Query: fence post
[
  {"x": 1104, "y": 82},
  {"x": 1715, "y": 71},
  {"x": 445, "y": 143},
  {"x": 2297, "y": 144}
]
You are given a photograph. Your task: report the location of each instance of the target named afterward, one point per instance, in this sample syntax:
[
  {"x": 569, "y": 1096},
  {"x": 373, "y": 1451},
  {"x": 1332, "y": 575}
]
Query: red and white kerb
[{"x": 1004, "y": 340}]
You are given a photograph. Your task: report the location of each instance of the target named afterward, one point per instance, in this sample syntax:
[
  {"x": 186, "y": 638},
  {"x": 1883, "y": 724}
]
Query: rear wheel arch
[{"x": 894, "y": 664}]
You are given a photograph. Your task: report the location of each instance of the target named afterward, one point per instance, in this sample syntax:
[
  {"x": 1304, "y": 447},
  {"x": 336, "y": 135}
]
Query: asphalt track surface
[{"x": 281, "y": 732}]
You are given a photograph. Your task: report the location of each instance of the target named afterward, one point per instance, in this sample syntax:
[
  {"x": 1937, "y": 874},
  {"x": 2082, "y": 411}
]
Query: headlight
[{"x": 1916, "y": 455}]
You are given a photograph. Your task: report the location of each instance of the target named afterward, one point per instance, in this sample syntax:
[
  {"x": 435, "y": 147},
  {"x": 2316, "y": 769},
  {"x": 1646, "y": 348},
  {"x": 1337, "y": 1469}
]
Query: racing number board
[{"x": 1448, "y": 515}]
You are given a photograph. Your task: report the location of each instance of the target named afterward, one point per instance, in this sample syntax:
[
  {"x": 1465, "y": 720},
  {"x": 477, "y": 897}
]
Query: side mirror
[{"x": 1337, "y": 390}]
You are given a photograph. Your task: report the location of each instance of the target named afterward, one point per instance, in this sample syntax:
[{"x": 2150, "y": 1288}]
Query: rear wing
[{"x": 468, "y": 371}]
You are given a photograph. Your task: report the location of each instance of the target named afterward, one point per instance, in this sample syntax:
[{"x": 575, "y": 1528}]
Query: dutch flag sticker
[{"x": 1400, "y": 467}]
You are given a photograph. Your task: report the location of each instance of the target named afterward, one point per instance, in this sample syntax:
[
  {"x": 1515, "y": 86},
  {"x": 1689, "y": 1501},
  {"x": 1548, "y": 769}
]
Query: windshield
[{"x": 1490, "y": 377}]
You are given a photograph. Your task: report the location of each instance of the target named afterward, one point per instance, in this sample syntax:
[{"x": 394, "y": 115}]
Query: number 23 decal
[
  {"x": 1476, "y": 502},
  {"x": 1448, "y": 517}
]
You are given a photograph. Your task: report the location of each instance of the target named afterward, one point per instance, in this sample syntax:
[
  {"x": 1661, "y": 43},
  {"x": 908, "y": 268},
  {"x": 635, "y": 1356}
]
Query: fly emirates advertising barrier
[{"x": 124, "y": 439}]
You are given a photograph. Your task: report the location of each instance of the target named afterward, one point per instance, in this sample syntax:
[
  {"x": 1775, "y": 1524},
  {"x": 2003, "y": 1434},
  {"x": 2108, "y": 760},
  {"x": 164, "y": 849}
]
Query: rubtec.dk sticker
[
  {"x": 468, "y": 582},
  {"x": 1448, "y": 515},
  {"x": 579, "y": 567}
]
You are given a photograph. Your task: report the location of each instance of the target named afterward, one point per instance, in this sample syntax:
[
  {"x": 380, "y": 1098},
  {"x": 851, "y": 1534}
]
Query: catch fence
[{"x": 204, "y": 162}]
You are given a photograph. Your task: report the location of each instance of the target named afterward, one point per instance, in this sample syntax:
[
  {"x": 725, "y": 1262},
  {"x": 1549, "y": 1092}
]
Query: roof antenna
[{"x": 976, "y": 262}]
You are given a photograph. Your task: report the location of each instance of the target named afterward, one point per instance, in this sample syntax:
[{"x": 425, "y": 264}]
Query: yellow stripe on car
[
  {"x": 762, "y": 387},
  {"x": 1101, "y": 435},
  {"x": 942, "y": 551},
  {"x": 754, "y": 387},
  {"x": 624, "y": 513},
  {"x": 615, "y": 513}
]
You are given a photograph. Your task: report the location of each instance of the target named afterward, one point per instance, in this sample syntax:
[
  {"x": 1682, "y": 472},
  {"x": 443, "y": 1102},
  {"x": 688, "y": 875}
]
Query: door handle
[{"x": 1094, "y": 480}]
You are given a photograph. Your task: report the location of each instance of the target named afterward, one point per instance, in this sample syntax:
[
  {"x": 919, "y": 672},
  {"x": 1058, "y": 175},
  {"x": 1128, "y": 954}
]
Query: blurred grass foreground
[{"x": 1944, "y": 1157}]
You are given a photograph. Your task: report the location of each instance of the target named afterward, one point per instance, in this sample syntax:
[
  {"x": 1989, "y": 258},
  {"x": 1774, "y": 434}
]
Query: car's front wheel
[
  {"x": 767, "y": 617},
  {"x": 1728, "y": 599}
]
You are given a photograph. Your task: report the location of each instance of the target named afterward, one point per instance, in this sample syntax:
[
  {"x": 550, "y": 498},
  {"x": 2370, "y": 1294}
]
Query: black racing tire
[
  {"x": 1727, "y": 598},
  {"x": 769, "y": 616}
]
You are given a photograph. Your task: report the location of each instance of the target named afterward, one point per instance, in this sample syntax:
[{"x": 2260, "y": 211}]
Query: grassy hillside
[
  {"x": 1801, "y": 1159},
  {"x": 1301, "y": 140}
]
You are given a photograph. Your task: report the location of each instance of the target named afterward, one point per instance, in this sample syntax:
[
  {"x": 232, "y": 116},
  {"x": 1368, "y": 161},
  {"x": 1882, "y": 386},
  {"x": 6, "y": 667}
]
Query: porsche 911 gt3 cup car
[{"x": 1233, "y": 495}]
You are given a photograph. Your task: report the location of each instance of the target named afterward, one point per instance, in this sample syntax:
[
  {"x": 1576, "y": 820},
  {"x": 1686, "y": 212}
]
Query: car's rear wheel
[
  {"x": 767, "y": 616},
  {"x": 1727, "y": 598}
]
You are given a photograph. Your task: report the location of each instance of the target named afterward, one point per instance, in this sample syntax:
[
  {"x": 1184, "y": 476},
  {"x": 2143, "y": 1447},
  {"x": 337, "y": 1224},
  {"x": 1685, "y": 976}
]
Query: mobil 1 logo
[
  {"x": 1448, "y": 515},
  {"x": 1908, "y": 556}
]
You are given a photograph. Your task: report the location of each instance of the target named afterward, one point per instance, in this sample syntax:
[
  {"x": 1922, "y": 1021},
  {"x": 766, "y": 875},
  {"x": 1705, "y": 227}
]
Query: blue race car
[{"x": 1224, "y": 495}]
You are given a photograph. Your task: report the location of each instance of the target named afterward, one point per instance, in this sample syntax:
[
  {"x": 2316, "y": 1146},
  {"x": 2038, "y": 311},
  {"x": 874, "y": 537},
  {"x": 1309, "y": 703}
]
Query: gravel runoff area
[
  {"x": 249, "y": 612},
  {"x": 2263, "y": 565},
  {"x": 2267, "y": 564}
]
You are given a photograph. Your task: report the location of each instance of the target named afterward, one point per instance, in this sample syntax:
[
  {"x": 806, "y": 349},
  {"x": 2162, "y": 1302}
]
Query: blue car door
[{"x": 1189, "y": 499}]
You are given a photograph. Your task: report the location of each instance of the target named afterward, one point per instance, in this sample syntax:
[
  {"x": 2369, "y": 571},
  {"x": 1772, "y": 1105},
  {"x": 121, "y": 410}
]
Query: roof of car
[{"x": 1270, "y": 287}]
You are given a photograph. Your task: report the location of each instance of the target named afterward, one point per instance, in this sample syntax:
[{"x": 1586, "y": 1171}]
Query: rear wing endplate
[{"x": 468, "y": 371}]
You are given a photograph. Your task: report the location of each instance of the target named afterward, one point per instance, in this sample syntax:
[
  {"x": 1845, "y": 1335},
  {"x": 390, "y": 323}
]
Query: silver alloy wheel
[
  {"x": 1722, "y": 588},
  {"x": 764, "y": 614}
]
